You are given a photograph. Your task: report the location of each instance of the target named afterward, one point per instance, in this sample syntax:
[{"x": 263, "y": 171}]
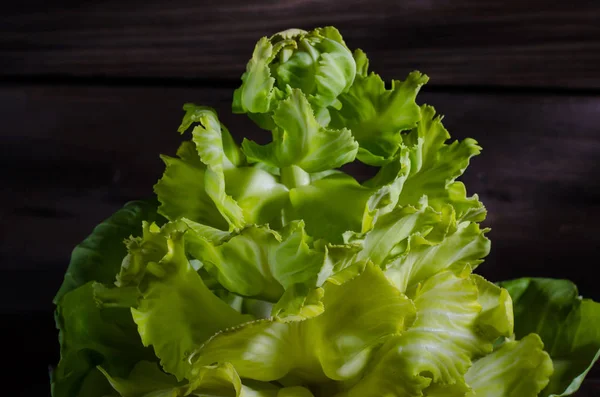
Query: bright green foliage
[{"x": 266, "y": 271}]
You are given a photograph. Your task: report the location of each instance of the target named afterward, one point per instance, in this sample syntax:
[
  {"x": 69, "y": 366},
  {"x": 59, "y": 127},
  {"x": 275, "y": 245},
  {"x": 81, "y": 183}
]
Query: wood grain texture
[
  {"x": 463, "y": 42},
  {"x": 73, "y": 155}
]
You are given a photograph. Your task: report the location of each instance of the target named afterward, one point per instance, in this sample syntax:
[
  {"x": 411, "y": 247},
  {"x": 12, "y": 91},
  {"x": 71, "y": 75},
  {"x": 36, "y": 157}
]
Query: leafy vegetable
[{"x": 264, "y": 270}]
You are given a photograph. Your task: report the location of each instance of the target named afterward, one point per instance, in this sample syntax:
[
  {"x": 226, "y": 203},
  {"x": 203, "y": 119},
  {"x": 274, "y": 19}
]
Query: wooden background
[{"x": 91, "y": 93}]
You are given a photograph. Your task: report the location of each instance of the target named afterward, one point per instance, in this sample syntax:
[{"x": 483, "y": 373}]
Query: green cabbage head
[{"x": 267, "y": 271}]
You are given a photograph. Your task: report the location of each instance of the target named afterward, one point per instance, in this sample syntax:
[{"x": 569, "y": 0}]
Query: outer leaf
[
  {"x": 150, "y": 247},
  {"x": 145, "y": 377},
  {"x": 462, "y": 244},
  {"x": 362, "y": 62},
  {"x": 147, "y": 380},
  {"x": 218, "y": 379},
  {"x": 376, "y": 116},
  {"x": 177, "y": 312},
  {"x": 258, "y": 87},
  {"x": 390, "y": 235},
  {"x": 212, "y": 139},
  {"x": 98, "y": 257},
  {"x": 260, "y": 195},
  {"x": 299, "y": 302},
  {"x": 182, "y": 192},
  {"x": 205, "y": 115},
  {"x": 189, "y": 189},
  {"x": 496, "y": 318},
  {"x": 241, "y": 264},
  {"x": 260, "y": 263},
  {"x": 92, "y": 336},
  {"x": 205, "y": 232},
  {"x": 337, "y": 208},
  {"x": 437, "y": 348},
  {"x": 387, "y": 186},
  {"x": 568, "y": 325},
  {"x": 317, "y": 349},
  {"x": 294, "y": 262},
  {"x": 94, "y": 385},
  {"x": 517, "y": 369},
  {"x": 435, "y": 166},
  {"x": 330, "y": 206},
  {"x": 300, "y": 140},
  {"x": 454, "y": 334},
  {"x": 439, "y": 390}
]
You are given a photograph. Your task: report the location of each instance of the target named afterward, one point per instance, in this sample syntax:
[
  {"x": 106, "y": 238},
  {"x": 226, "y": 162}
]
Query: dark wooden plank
[
  {"x": 464, "y": 42},
  {"x": 37, "y": 338}
]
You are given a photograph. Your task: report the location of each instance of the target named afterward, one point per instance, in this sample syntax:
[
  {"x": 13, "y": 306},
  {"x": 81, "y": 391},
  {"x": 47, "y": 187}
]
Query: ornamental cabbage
[{"x": 266, "y": 271}]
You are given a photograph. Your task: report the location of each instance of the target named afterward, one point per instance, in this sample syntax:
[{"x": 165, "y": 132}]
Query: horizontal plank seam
[{"x": 175, "y": 82}]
